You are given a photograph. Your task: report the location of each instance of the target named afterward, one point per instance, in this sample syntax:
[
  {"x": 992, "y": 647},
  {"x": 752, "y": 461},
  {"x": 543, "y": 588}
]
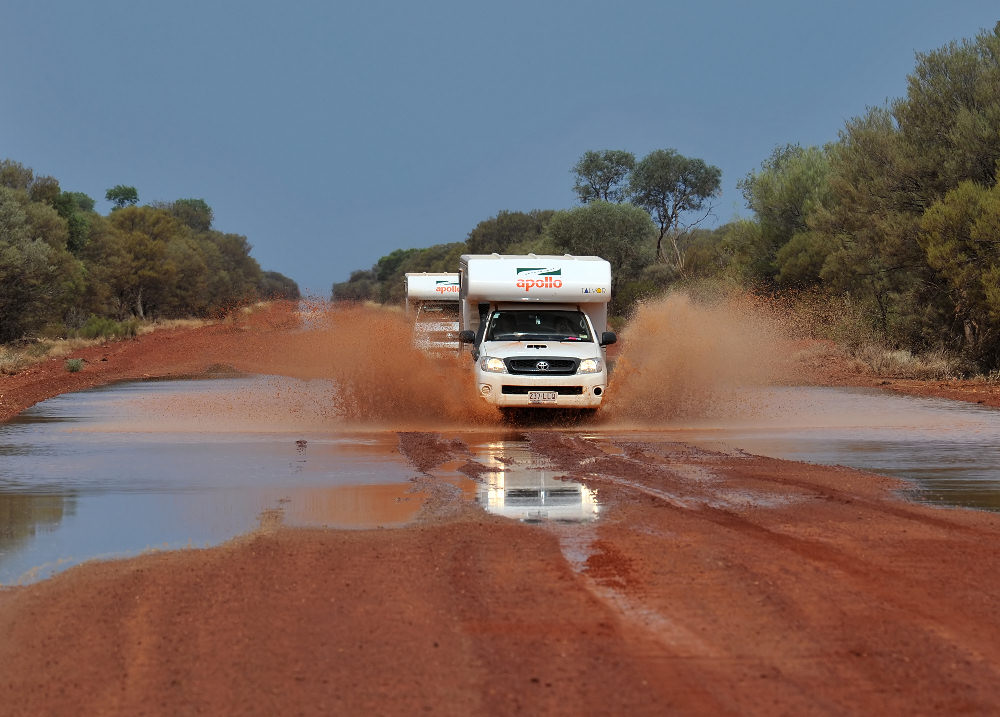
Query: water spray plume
[
  {"x": 380, "y": 376},
  {"x": 682, "y": 358}
]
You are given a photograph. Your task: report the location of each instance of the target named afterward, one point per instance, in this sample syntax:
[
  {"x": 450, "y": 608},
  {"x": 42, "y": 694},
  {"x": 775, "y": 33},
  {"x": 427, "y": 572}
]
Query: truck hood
[{"x": 567, "y": 349}]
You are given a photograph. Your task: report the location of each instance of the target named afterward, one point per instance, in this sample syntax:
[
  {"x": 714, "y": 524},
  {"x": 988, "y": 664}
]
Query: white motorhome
[
  {"x": 432, "y": 301},
  {"x": 537, "y": 326}
]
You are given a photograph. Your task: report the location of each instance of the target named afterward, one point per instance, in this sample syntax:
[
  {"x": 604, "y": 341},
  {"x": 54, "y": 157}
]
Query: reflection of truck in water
[
  {"x": 432, "y": 302},
  {"x": 520, "y": 490},
  {"x": 538, "y": 498},
  {"x": 538, "y": 328}
]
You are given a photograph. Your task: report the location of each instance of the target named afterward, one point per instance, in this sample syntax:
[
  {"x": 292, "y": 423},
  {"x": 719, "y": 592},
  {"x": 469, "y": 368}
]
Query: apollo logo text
[
  {"x": 533, "y": 278},
  {"x": 547, "y": 282}
]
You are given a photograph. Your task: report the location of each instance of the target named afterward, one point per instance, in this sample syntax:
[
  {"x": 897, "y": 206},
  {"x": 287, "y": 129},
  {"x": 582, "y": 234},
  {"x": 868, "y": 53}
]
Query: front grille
[
  {"x": 523, "y": 390},
  {"x": 549, "y": 366}
]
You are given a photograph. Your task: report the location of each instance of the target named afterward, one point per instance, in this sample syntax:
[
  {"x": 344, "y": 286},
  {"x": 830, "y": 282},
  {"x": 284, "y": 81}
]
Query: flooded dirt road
[
  {"x": 119, "y": 470},
  {"x": 588, "y": 569}
]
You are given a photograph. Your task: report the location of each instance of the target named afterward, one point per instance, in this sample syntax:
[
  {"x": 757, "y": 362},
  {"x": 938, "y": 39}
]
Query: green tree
[
  {"x": 388, "y": 271},
  {"x": 620, "y": 233},
  {"x": 603, "y": 175},
  {"x": 870, "y": 227},
  {"x": 274, "y": 285},
  {"x": 506, "y": 231},
  {"x": 360, "y": 286},
  {"x": 83, "y": 202},
  {"x": 122, "y": 196},
  {"x": 143, "y": 234},
  {"x": 15, "y": 175},
  {"x": 436, "y": 258},
  {"x": 243, "y": 270},
  {"x": 194, "y": 213},
  {"x": 670, "y": 186},
  {"x": 792, "y": 184},
  {"x": 76, "y": 208},
  {"x": 45, "y": 224},
  {"x": 950, "y": 117},
  {"x": 39, "y": 280},
  {"x": 190, "y": 291},
  {"x": 961, "y": 236},
  {"x": 385, "y": 281},
  {"x": 45, "y": 190}
]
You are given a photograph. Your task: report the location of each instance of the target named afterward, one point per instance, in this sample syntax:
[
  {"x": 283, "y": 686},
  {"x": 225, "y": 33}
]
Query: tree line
[
  {"x": 61, "y": 262},
  {"x": 899, "y": 217},
  {"x": 635, "y": 214}
]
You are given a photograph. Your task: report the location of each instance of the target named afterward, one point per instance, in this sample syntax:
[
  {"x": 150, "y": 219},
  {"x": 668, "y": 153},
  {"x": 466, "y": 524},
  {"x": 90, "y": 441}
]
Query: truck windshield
[{"x": 539, "y": 325}]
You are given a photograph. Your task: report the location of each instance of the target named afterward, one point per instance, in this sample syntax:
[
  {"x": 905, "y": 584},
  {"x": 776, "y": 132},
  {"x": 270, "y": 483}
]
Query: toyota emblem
[{"x": 542, "y": 365}]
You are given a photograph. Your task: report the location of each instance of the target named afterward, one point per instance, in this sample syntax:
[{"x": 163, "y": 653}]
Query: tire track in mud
[
  {"x": 649, "y": 632},
  {"x": 847, "y": 597},
  {"x": 631, "y": 473}
]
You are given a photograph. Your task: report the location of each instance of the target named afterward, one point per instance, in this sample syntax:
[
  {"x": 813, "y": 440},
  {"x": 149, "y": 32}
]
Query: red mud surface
[{"x": 713, "y": 584}]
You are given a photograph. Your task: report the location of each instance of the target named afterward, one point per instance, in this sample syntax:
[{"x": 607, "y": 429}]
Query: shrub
[
  {"x": 101, "y": 327},
  {"x": 11, "y": 361},
  {"x": 74, "y": 365}
]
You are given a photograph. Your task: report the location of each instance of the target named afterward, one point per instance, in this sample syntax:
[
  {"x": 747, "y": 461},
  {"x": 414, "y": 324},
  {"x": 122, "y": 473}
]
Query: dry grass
[
  {"x": 845, "y": 327},
  {"x": 172, "y": 324},
  {"x": 15, "y": 358},
  {"x": 901, "y": 363}
]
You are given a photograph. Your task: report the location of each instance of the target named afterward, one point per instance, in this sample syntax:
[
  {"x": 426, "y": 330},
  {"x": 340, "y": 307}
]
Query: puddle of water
[
  {"x": 123, "y": 469},
  {"x": 517, "y": 487},
  {"x": 948, "y": 450},
  {"x": 119, "y": 470}
]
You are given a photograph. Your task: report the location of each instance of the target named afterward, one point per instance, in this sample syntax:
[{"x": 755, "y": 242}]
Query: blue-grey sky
[{"x": 331, "y": 132}]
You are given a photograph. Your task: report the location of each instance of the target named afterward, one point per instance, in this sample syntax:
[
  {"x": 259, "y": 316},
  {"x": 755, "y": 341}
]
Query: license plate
[{"x": 542, "y": 396}]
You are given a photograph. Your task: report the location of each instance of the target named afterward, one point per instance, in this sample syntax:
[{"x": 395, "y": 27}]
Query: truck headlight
[
  {"x": 591, "y": 365},
  {"x": 494, "y": 365}
]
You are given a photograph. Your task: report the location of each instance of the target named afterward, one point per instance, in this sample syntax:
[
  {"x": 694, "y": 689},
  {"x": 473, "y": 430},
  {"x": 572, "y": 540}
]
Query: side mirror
[
  {"x": 608, "y": 338},
  {"x": 467, "y": 337}
]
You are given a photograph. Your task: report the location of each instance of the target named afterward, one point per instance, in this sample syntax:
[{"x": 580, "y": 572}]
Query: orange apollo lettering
[{"x": 545, "y": 283}]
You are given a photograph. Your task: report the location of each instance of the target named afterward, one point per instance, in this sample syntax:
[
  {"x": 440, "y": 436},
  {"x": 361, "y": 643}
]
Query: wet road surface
[
  {"x": 948, "y": 450},
  {"x": 167, "y": 464}
]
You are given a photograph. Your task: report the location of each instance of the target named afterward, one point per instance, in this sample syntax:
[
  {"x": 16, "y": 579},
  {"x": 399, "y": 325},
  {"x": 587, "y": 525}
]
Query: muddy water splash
[
  {"x": 331, "y": 368},
  {"x": 682, "y": 358},
  {"x": 380, "y": 377}
]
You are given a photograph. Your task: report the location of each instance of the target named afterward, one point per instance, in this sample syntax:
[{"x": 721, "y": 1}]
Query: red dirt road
[{"x": 713, "y": 584}]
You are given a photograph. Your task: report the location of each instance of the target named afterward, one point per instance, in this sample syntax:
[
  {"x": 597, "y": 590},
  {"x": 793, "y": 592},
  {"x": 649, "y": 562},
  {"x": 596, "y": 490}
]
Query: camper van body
[
  {"x": 432, "y": 302},
  {"x": 537, "y": 327}
]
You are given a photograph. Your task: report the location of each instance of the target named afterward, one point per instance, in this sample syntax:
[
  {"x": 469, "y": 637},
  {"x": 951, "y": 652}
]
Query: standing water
[
  {"x": 949, "y": 451},
  {"x": 136, "y": 466}
]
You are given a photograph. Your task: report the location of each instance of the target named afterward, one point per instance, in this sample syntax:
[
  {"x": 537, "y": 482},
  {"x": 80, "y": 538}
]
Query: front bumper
[{"x": 511, "y": 390}]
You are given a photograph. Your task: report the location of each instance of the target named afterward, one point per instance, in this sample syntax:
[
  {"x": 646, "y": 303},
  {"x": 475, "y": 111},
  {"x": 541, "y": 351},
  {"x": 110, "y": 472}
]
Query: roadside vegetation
[
  {"x": 885, "y": 241},
  {"x": 16, "y": 356},
  {"x": 68, "y": 272}
]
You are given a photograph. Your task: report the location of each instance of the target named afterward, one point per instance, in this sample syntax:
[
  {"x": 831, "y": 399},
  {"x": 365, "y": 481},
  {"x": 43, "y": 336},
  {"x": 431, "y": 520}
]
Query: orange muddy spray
[
  {"x": 682, "y": 358},
  {"x": 679, "y": 358}
]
